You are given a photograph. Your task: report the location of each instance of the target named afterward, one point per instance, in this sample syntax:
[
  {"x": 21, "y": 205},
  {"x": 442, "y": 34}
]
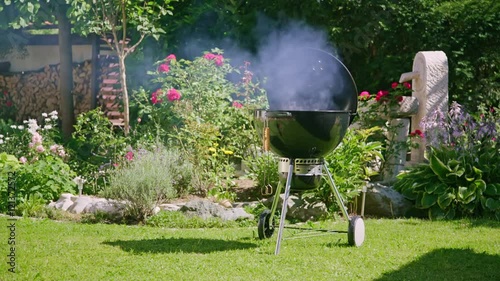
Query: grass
[{"x": 393, "y": 250}]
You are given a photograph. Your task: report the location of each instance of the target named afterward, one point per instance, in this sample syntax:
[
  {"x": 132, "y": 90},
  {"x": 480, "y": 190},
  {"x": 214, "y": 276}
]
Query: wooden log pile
[{"x": 36, "y": 92}]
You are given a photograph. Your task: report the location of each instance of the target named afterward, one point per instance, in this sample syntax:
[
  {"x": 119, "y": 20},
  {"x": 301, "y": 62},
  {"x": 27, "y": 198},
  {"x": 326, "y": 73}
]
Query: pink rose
[
  {"x": 209, "y": 56},
  {"x": 394, "y": 85},
  {"x": 53, "y": 148},
  {"x": 129, "y": 156},
  {"x": 170, "y": 57},
  {"x": 237, "y": 104},
  {"x": 380, "y": 95},
  {"x": 155, "y": 96},
  {"x": 173, "y": 95},
  {"x": 407, "y": 85},
  {"x": 163, "y": 68},
  {"x": 364, "y": 95}
]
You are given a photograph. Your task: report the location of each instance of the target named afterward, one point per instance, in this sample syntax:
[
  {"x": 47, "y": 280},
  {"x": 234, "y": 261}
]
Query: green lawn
[{"x": 393, "y": 250}]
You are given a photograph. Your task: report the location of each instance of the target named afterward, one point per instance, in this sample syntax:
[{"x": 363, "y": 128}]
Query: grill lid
[{"x": 311, "y": 80}]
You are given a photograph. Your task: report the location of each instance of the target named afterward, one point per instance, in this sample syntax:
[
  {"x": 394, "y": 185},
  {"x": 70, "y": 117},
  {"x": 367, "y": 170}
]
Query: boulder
[
  {"x": 79, "y": 205},
  {"x": 207, "y": 209},
  {"x": 300, "y": 208},
  {"x": 384, "y": 201}
]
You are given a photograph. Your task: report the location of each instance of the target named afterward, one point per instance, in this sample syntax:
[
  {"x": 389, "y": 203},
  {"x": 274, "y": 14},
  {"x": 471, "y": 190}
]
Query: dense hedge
[{"x": 376, "y": 38}]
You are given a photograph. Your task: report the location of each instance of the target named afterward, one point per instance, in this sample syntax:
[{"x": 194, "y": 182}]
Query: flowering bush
[
  {"x": 43, "y": 172},
  {"x": 201, "y": 104},
  {"x": 462, "y": 177},
  {"x": 378, "y": 110}
]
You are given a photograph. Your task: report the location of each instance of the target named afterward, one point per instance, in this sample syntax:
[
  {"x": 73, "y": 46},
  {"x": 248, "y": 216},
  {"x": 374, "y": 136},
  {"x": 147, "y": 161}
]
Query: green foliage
[
  {"x": 47, "y": 178},
  {"x": 204, "y": 107},
  {"x": 349, "y": 164},
  {"x": 8, "y": 163},
  {"x": 180, "y": 220},
  {"x": 462, "y": 175},
  {"x": 263, "y": 168},
  {"x": 148, "y": 178},
  {"x": 95, "y": 146}
]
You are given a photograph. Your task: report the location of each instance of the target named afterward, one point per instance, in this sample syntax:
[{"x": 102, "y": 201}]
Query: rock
[
  {"x": 302, "y": 209},
  {"x": 79, "y": 205},
  {"x": 384, "y": 201},
  {"x": 103, "y": 205},
  {"x": 169, "y": 207},
  {"x": 207, "y": 209},
  {"x": 156, "y": 210}
]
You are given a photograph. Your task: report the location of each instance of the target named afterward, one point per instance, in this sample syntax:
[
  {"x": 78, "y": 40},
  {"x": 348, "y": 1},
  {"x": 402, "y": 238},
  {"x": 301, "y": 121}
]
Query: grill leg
[
  {"x": 284, "y": 205},
  {"x": 336, "y": 192}
]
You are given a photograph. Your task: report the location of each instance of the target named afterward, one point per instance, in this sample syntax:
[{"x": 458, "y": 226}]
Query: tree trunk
[
  {"x": 123, "y": 82},
  {"x": 66, "y": 106}
]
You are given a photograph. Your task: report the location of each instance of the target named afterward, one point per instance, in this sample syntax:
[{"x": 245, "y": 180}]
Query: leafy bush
[
  {"x": 147, "y": 178},
  {"x": 205, "y": 108},
  {"x": 462, "y": 177},
  {"x": 95, "y": 146},
  {"x": 43, "y": 172},
  {"x": 349, "y": 165},
  {"x": 263, "y": 169}
]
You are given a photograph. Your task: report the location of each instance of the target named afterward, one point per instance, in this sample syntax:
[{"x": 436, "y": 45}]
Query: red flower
[
  {"x": 364, "y": 95},
  {"x": 219, "y": 59},
  {"x": 399, "y": 98},
  {"x": 170, "y": 57},
  {"x": 407, "y": 85},
  {"x": 155, "y": 95},
  {"x": 237, "y": 104},
  {"x": 381, "y": 96},
  {"x": 417, "y": 133},
  {"x": 8, "y": 103},
  {"x": 129, "y": 156},
  {"x": 394, "y": 85},
  {"x": 163, "y": 68},
  {"x": 173, "y": 94}
]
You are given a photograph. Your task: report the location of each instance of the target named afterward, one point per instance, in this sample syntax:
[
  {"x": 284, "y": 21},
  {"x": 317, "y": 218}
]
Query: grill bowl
[{"x": 302, "y": 134}]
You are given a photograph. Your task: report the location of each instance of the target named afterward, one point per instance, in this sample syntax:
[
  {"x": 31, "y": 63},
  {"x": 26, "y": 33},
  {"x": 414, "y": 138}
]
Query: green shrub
[
  {"x": 462, "y": 177},
  {"x": 205, "y": 108},
  {"x": 263, "y": 169},
  {"x": 95, "y": 146},
  {"x": 147, "y": 178},
  {"x": 349, "y": 165}
]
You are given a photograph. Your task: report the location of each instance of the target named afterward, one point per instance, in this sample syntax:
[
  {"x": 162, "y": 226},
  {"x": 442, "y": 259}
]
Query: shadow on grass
[
  {"x": 449, "y": 264},
  {"x": 177, "y": 245}
]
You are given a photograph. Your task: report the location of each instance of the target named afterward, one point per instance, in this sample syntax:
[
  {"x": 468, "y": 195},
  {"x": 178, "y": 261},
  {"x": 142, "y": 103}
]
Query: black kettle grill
[{"x": 306, "y": 120}]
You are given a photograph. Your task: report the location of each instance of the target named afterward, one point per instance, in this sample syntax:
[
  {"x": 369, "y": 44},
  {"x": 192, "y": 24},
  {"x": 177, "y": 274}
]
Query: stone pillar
[
  {"x": 430, "y": 87},
  {"x": 396, "y": 157}
]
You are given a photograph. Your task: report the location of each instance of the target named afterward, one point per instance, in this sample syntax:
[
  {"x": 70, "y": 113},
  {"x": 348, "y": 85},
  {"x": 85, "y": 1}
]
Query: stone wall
[{"x": 36, "y": 92}]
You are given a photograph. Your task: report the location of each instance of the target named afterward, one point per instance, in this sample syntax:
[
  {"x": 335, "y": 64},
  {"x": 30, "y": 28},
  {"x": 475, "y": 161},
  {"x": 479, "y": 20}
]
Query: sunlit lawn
[{"x": 393, "y": 250}]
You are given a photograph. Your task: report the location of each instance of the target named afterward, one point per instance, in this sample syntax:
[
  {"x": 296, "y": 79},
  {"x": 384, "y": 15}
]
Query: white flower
[
  {"x": 48, "y": 127},
  {"x": 7, "y": 138},
  {"x": 1, "y": 136},
  {"x": 20, "y": 127},
  {"x": 53, "y": 113},
  {"x": 13, "y": 126},
  {"x": 48, "y": 119},
  {"x": 44, "y": 114},
  {"x": 1, "y": 141},
  {"x": 54, "y": 117},
  {"x": 79, "y": 180},
  {"x": 25, "y": 121}
]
